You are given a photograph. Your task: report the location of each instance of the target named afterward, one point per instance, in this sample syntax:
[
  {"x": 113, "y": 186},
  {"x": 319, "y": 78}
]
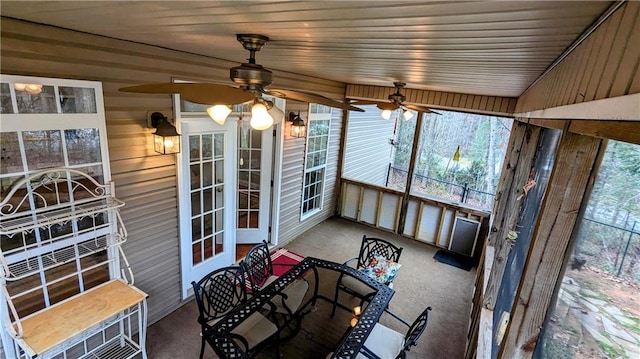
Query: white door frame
[
  {"x": 246, "y": 235},
  {"x": 276, "y": 175},
  {"x": 189, "y": 272}
]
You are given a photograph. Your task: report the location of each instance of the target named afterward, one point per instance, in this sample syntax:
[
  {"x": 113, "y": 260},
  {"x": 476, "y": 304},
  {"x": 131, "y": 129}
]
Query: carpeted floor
[{"x": 421, "y": 282}]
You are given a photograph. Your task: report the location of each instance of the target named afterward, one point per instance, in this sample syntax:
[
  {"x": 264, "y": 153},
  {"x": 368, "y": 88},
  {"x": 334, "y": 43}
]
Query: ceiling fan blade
[
  {"x": 311, "y": 98},
  {"x": 202, "y": 93},
  {"x": 364, "y": 102},
  {"x": 387, "y": 106},
  {"x": 420, "y": 109}
]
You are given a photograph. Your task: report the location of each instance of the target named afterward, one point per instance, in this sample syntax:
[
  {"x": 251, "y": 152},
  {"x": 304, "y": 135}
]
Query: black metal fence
[
  {"x": 609, "y": 248},
  {"x": 397, "y": 179}
]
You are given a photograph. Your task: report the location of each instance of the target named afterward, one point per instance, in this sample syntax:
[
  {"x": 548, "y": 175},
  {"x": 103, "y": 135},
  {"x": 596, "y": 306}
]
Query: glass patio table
[{"x": 352, "y": 340}]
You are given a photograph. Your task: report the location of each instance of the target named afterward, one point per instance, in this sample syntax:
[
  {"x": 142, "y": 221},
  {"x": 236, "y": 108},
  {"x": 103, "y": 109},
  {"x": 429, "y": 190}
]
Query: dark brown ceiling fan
[
  {"x": 396, "y": 101},
  {"x": 252, "y": 81}
]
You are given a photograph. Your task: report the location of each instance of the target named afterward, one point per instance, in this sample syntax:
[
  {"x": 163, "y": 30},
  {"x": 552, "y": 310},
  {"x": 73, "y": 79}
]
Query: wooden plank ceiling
[{"x": 487, "y": 48}]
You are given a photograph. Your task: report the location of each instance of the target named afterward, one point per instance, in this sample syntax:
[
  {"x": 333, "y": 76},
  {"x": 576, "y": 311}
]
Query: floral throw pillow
[{"x": 382, "y": 269}]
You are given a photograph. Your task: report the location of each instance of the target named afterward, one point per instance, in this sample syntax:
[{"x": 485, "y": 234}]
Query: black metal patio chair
[
  {"x": 370, "y": 248},
  {"x": 216, "y": 295},
  {"x": 386, "y": 343},
  {"x": 259, "y": 269}
]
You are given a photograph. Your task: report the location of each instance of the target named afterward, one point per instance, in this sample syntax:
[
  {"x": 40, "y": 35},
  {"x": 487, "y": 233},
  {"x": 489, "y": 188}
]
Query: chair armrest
[
  {"x": 350, "y": 260},
  {"x": 368, "y": 353},
  {"x": 283, "y": 264},
  {"x": 242, "y": 340},
  {"x": 397, "y": 317}
]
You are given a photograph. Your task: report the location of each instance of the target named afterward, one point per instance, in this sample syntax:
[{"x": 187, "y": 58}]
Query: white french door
[
  {"x": 207, "y": 197},
  {"x": 254, "y": 167}
]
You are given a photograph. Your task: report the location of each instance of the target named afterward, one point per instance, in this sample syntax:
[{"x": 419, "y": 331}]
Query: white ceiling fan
[
  {"x": 252, "y": 82},
  {"x": 396, "y": 101}
]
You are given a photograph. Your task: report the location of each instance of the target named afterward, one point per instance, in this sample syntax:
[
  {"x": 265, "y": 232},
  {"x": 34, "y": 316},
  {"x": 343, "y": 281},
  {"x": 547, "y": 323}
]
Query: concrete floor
[{"x": 421, "y": 282}]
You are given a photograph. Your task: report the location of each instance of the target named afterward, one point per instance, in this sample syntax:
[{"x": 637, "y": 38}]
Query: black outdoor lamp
[
  {"x": 166, "y": 139},
  {"x": 298, "y": 128}
]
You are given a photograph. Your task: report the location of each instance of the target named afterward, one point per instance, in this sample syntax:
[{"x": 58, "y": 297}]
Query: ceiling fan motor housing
[
  {"x": 397, "y": 97},
  {"x": 251, "y": 75}
]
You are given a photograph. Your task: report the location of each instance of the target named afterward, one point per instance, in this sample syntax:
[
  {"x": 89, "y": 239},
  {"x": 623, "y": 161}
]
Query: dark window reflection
[
  {"x": 77, "y": 100},
  {"x": 5, "y": 99},
  {"x": 36, "y": 101}
]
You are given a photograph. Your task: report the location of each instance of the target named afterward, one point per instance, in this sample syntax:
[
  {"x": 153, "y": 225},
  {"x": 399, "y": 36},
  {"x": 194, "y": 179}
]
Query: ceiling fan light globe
[
  {"x": 386, "y": 114},
  {"x": 34, "y": 89},
  {"x": 219, "y": 113},
  {"x": 276, "y": 114},
  {"x": 407, "y": 115},
  {"x": 260, "y": 118}
]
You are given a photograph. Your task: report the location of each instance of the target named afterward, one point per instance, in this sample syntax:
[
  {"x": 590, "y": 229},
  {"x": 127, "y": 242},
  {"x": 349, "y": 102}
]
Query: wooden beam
[
  {"x": 515, "y": 174},
  {"x": 615, "y": 130},
  {"x": 573, "y": 169},
  {"x": 621, "y": 108},
  {"x": 416, "y": 231},
  {"x": 412, "y": 162}
]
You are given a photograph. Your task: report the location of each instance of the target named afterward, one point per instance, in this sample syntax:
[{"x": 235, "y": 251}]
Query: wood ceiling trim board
[
  {"x": 630, "y": 58},
  {"x": 603, "y": 55},
  {"x": 576, "y": 70},
  {"x": 618, "y": 47}
]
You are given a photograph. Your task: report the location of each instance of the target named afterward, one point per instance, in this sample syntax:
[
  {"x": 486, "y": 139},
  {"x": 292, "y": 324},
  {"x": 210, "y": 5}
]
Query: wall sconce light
[
  {"x": 166, "y": 140},
  {"x": 298, "y": 128}
]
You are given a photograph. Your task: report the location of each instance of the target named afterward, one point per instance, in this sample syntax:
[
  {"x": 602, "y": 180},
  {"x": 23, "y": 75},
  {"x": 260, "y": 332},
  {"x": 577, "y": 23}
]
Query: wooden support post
[
  {"x": 416, "y": 232},
  {"x": 341, "y": 154},
  {"x": 573, "y": 169},
  {"x": 515, "y": 174},
  {"x": 412, "y": 164},
  {"x": 379, "y": 209}
]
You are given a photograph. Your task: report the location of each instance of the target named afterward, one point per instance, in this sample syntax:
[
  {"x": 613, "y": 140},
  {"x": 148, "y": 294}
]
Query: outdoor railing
[
  {"x": 397, "y": 178},
  {"x": 609, "y": 248}
]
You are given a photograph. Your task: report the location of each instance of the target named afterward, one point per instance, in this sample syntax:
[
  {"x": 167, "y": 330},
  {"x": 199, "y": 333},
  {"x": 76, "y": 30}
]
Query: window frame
[
  {"x": 59, "y": 121},
  {"x": 316, "y": 112}
]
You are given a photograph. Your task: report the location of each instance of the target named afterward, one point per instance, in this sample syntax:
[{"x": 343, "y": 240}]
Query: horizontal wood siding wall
[
  {"x": 491, "y": 105},
  {"x": 144, "y": 180},
  {"x": 367, "y": 150},
  {"x": 604, "y": 65},
  {"x": 293, "y": 154}
]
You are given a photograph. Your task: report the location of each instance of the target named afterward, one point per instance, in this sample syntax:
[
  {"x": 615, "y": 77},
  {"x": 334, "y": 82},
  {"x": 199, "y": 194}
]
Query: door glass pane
[
  {"x": 207, "y": 148},
  {"x": 83, "y": 145},
  {"x": 194, "y": 148},
  {"x": 5, "y": 99},
  {"x": 10, "y": 157},
  {"x": 219, "y": 145},
  {"x": 36, "y": 99},
  {"x": 77, "y": 99},
  {"x": 207, "y": 182},
  {"x": 207, "y": 174},
  {"x": 249, "y": 157},
  {"x": 43, "y": 148}
]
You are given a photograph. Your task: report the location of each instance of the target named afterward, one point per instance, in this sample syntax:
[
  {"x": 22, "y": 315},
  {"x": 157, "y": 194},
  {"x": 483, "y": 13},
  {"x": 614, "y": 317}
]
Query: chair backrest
[
  {"x": 257, "y": 264},
  {"x": 219, "y": 292},
  {"x": 415, "y": 331},
  {"x": 371, "y": 247}
]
